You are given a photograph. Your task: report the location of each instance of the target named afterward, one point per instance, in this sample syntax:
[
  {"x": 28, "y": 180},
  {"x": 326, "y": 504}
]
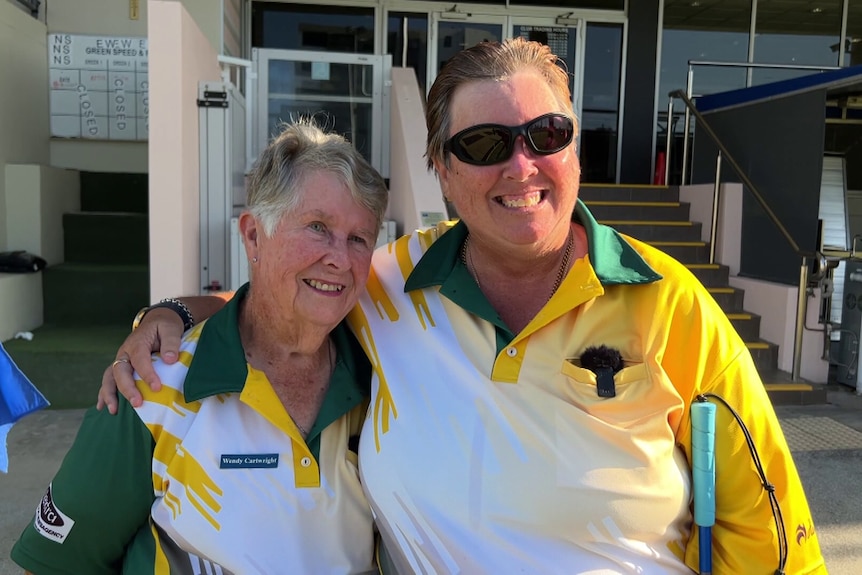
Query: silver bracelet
[{"x": 172, "y": 304}]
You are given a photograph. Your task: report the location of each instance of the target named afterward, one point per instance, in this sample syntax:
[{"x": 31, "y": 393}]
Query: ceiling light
[{"x": 817, "y": 10}]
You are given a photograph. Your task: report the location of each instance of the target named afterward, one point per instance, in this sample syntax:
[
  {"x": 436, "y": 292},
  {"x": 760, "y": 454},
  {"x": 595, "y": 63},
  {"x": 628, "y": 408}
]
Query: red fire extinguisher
[{"x": 658, "y": 177}]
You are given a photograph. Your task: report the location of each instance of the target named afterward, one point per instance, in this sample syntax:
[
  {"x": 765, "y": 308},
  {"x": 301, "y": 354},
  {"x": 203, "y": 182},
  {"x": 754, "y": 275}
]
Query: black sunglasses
[{"x": 488, "y": 144}]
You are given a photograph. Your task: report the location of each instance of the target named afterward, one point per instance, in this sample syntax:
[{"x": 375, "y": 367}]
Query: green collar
[
  {"x": 613, "y": 259},
  {"x": 614, "y": 262},
  {"x": 219, "y": 365}
]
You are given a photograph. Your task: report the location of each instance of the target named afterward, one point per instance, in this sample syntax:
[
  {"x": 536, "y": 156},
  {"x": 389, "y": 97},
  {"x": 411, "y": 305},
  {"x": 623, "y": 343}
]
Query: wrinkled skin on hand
[{"x": 160, "y": 332}]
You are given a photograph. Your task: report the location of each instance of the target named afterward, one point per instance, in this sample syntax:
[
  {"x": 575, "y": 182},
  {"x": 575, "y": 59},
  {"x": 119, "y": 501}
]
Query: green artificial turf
[{"x": 66, "y": 363}]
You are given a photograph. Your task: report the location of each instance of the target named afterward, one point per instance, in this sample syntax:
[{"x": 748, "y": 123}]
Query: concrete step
[
  {"x": 623, "y": 192},
  {"x": 796, "y": 393},
  {"x": 688, "y": 252},
  {"x": 649, "y": 230},
  {"x": 784, "y": 390},
  {"x": 765, "y": 355},
  {"x": 730, "y": 299},
  {"x": 747, "y": 325},
  {"x": 114, "y": 192},
  {"x": 87, "y": 294},
  {"x": 637, "y": 210},
  {"x": 711, "y": 275},
  {"x": 106, "y": 238}
]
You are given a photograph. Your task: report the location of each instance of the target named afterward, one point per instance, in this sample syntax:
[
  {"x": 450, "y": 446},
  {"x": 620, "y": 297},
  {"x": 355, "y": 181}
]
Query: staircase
[
  {"x": 90, "y": 299},
  {"x": 105, "y": 277},
  {"x": 654, "y": 215}
]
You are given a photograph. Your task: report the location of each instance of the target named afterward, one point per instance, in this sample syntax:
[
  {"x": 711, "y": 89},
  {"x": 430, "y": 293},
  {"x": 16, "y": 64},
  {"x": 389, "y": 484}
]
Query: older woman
[
  {"x": 494, "y": 444},
  {"x": 242, "y": 462}
]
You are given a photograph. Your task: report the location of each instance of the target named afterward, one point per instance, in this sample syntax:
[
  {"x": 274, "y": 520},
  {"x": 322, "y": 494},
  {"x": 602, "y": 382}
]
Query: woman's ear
[
  {"x": 443, "y": 176},
  {"x": 249, "y": 230}
]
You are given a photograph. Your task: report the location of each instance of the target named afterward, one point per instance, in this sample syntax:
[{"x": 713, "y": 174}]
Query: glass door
[
  {"x": 346, "y": 93},
  {"x": 455, "y": 31},
  {"x": 452, "y": 35},
  {"x": 592, "y": 53},
  {"x": 563, "y": 41},
  {"x": 601, "y": 116}
]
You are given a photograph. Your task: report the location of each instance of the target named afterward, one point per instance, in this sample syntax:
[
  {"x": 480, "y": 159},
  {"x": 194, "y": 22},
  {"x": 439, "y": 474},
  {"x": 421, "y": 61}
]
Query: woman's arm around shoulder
[{"x": 160, "y": 331}]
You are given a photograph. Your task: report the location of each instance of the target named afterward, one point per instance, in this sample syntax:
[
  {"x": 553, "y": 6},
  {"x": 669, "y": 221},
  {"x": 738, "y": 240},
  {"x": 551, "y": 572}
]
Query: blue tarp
[
  {"x": 18, "y": 397},
  {"x": 831, "y": 79}
]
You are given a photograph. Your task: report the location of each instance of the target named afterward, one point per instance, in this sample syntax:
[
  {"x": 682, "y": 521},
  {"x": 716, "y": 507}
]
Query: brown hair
[{"x": 489, "y": 61}]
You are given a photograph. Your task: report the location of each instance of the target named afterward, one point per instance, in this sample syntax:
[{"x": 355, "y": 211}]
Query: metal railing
[
  {"x": 725, "y": 155},
  {"x": 689, "y": 92}
]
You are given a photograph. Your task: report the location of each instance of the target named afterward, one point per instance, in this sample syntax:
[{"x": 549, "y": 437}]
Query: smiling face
[
  {"x": 316, "y": 263},
  {"x": 522, "y": 205}
]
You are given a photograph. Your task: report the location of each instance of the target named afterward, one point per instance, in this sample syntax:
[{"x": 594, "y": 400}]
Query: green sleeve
[{"x": 98, "y": 500}]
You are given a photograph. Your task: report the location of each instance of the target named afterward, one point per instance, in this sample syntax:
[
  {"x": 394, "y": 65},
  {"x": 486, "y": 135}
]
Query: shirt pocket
[
  {"x": 608, "y": 443},
  {"x": 631, "y": 384}
]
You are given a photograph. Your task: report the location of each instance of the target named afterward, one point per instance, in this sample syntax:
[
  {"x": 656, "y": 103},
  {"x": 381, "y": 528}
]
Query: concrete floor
[
  {"x": 826, "y": 441},
  {"x": 36, "y": 445}
]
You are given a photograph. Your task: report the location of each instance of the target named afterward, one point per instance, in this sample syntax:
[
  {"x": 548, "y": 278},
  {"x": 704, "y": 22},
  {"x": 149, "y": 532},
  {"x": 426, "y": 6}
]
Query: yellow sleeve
[
  {"x": 697, "y": 347},
  {"x": 745, "y": 536}
]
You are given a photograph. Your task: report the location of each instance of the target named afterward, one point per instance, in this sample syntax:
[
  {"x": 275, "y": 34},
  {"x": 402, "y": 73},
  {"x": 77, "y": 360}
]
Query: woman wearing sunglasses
[{"x": 498, "y": 440}]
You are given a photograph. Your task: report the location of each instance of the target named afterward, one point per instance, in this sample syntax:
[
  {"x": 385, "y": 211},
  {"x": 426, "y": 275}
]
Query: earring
[{"x": 254, "y": 260}]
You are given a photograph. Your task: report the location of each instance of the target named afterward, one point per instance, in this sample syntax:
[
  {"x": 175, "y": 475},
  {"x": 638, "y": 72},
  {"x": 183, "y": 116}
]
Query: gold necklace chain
[
  {"x": 470, "y": 267},
  {"x": 564, "y": 266},
  {"x": 467, "y": 260}
]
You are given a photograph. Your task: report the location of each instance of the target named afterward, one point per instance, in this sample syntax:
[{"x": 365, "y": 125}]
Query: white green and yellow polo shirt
[
  {"x": 488, "y": 451},
  {"x": 211, "y": 475}
]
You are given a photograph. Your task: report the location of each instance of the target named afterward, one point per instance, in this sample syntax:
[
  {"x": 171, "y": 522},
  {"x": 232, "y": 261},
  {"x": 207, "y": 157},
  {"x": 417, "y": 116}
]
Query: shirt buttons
[
  {"x": 305, "y": 461},
  {"x": 512, "y": 352}
]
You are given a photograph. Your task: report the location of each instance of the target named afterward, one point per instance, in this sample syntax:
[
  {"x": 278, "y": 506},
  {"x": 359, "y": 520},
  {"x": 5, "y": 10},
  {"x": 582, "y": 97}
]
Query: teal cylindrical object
[{"x": 703, "y": 462}]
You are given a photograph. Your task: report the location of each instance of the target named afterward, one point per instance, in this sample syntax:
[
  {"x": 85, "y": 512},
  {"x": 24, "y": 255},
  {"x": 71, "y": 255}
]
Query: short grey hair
[{"x": 275, "y": 184}]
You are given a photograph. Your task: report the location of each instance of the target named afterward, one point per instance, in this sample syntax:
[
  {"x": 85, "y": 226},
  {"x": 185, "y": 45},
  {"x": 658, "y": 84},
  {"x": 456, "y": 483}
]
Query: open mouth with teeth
[
  {"x": 524, "y": 201},
  {"x": 324, "y": 286}
]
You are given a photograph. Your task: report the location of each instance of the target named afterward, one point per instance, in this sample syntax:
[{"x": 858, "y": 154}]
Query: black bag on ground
[{"x": 20, "y": 261}]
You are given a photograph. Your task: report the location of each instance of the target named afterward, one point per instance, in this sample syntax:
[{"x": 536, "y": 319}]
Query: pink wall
[{"x": 180, "y": 57}]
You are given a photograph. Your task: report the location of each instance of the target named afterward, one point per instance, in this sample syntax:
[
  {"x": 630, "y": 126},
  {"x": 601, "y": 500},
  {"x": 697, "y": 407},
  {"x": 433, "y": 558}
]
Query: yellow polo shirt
[{"x": 488, "y": 451}]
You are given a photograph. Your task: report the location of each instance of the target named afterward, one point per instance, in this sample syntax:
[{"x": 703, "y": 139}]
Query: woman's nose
[
  {"x": 522, "y": 164},
  {"x": 337, "y": 256}
]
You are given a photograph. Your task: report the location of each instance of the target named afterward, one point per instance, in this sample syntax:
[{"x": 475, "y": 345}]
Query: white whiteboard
[{"x": 99, "y": 87}]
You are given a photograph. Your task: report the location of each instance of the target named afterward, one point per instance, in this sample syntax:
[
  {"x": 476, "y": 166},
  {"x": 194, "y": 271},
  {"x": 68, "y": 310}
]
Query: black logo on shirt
[
  {"x": 50, "y": 522},
  {"x": 48, "y": 512}
]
